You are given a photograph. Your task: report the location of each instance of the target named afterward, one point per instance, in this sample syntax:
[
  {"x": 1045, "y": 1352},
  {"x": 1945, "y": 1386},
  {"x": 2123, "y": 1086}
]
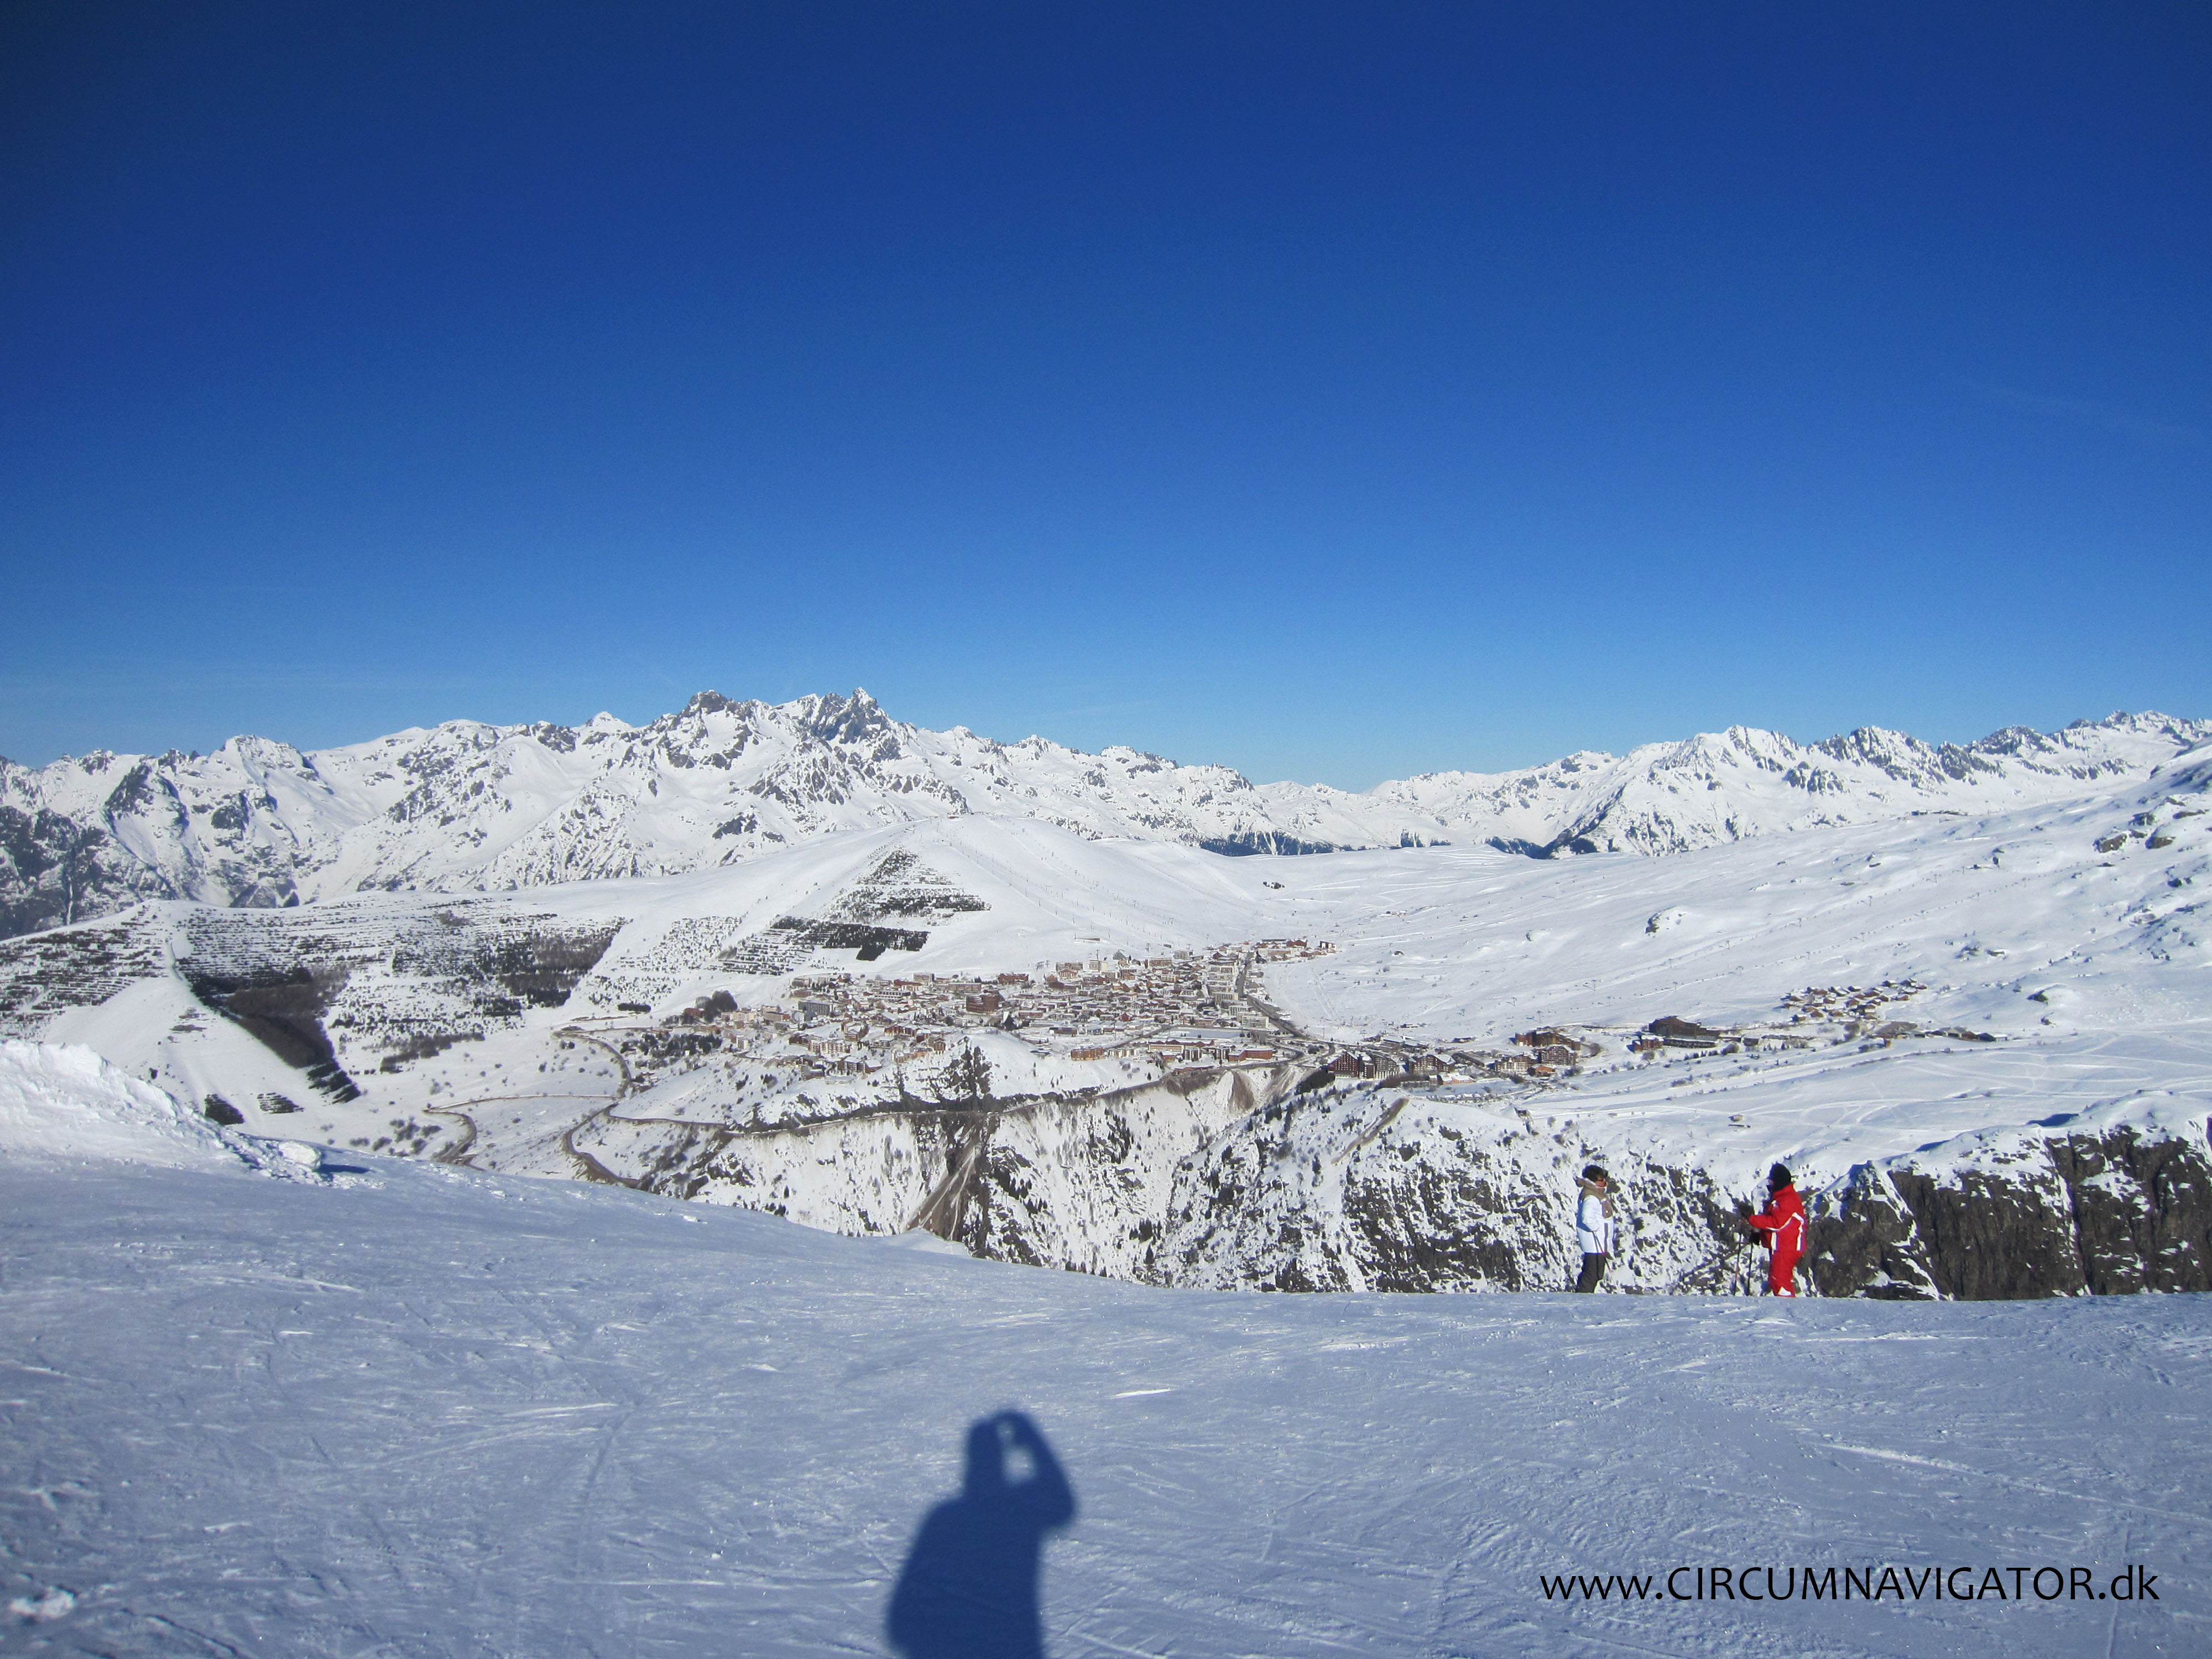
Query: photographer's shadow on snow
[{"x": 969, "y": 1590}]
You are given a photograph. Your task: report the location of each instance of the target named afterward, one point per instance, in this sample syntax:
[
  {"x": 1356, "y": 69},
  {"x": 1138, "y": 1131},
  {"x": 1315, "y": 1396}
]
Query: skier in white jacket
[{"x": 1594, "y": 1227}]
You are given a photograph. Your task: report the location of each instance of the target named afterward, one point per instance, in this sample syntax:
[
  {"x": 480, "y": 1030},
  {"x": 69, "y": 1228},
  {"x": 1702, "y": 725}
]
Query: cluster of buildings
[
  {"x": 1857, "y": 1004},
  {"x": 1143, "y": 1018},
  {"x": 1189, "y": 1008}
]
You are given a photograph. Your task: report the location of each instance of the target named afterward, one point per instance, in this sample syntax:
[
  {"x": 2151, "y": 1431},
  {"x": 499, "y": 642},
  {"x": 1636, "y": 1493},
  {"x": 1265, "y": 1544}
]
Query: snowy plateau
[{"x": 401, "y": 1145}]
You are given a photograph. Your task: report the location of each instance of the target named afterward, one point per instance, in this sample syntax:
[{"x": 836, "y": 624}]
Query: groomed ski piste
[{"x": 260, "y": 1401}]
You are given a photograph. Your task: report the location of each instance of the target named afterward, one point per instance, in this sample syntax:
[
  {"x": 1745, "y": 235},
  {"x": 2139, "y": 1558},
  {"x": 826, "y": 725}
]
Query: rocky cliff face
[
  {"x": 1357, "y": 1190},
  {"x": 1080, "y": 1184},
  {"x": 86, "y": 837},
  {"x": 468, "y": 807},
  {"x": 1369, "y": 1188},
  {"x": 2019, "y": 1215},
  {"x": 1235, "y": 1181}
]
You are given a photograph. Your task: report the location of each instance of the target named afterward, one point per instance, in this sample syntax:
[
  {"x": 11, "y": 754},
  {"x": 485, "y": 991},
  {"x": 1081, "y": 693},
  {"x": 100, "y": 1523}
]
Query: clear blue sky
[{"x": 1333, "y": 391}]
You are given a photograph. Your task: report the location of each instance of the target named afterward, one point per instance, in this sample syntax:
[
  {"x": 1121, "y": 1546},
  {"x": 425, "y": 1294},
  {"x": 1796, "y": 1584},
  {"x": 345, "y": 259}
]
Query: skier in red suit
[{"x": 1783, "y": 1221}]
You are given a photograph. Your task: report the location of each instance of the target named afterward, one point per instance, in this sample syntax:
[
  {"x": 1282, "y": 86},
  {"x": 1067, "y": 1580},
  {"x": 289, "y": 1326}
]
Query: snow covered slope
[
  {"x": 419, "y": 1410},
  {"x": 1904, "y": 1011},
  {"x": 67, "y": 1105},
  {"x": 468, "y": 807},
  {"x": 1723, "y": 786}
]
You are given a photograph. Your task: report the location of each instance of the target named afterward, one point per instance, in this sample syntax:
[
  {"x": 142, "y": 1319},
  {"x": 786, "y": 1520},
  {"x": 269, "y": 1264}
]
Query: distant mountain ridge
[
  {"x": 1666, "y": 798},
  {"x": 469, "y": 807}
]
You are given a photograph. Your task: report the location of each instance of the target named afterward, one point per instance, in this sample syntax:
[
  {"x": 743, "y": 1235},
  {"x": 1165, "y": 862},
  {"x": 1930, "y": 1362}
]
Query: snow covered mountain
[
  {"x": 470, "y": 807},
  {"x": 1984, "y": 1041},
  {"x": 1716, "y": 787},
  {"x": 353, "y": 1404},
  {"x": 473, "y": 808}
]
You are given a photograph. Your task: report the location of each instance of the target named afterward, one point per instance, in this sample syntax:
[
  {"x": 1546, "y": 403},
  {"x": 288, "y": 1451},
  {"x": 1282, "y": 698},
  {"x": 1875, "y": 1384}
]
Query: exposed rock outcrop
[
  {"x": 1231, "y": 1180},
  {"x": 2018, "y": 1214}
]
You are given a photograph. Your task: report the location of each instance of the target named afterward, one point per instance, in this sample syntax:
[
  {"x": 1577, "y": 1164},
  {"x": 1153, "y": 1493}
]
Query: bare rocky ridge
[
  {"x": 467, "y": 807},
  {"x": 2058, "y": 1214},
  {"x": 1227, "y": 1180}
]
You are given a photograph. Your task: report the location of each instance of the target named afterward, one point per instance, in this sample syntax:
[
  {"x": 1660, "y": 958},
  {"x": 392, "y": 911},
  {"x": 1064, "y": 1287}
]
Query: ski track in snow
[{"x": 431, "y": 1412}]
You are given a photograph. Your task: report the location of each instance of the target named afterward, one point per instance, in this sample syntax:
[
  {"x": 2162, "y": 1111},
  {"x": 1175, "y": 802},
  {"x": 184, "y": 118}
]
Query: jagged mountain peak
[{"x": 468, "y": 805}]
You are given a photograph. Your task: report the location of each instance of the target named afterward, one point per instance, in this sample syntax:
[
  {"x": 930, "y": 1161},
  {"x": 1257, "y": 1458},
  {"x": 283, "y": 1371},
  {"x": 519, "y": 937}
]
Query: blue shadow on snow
[{"x": 969, "y": 1590}]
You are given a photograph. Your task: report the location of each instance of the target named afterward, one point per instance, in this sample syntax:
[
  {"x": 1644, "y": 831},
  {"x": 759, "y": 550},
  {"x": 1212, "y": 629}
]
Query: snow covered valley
[
  {"x": 1984, "y": 1043},
  {"x": 379, "y": 1386},
  {"x": 388, "y": 1405}
]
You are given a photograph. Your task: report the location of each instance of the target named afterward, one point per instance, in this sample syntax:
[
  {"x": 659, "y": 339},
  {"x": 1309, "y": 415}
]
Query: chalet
[
  {"x": 1547, "y": 1037},
  {"x": 1682, "y": 1033}
]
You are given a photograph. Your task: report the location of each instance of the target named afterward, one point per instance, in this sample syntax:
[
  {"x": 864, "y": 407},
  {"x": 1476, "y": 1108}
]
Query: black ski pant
[{"x": 1593, "y": 1270}]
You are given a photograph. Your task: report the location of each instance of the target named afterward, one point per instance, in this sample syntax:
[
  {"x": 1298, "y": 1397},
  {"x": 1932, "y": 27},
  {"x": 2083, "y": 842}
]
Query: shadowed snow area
[{"x": 396, "y": 1408}]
